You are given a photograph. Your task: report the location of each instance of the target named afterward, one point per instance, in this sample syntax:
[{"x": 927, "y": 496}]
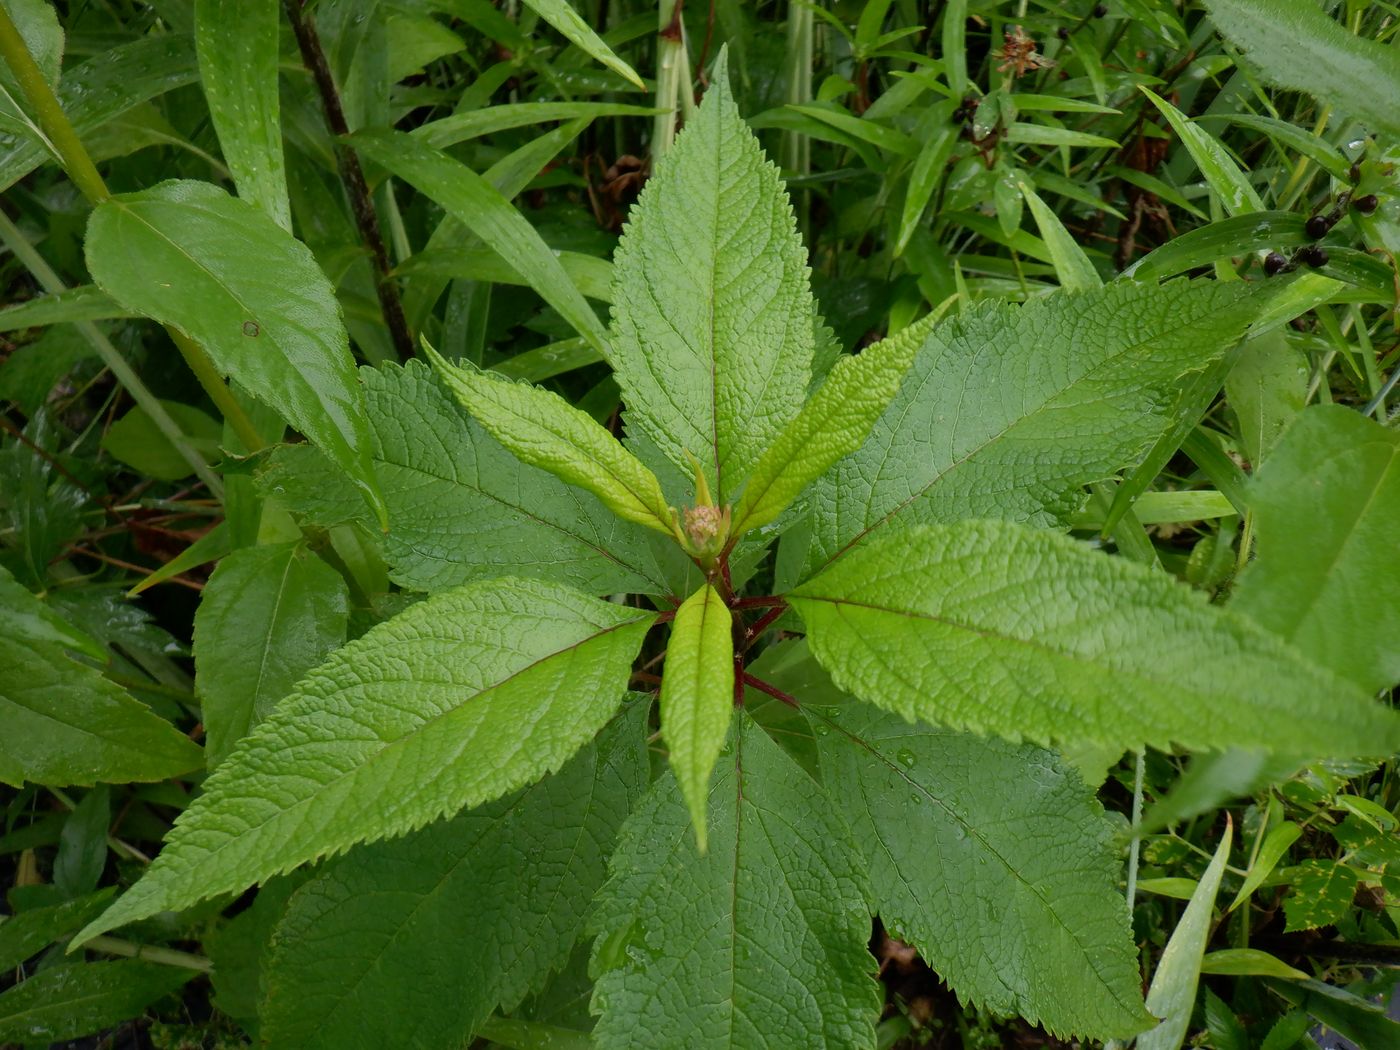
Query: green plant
[{"x": 484, "y": 729}]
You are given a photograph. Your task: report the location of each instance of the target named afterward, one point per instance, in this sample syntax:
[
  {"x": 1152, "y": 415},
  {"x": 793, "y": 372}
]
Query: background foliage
[{"x": 939, "y": 155}]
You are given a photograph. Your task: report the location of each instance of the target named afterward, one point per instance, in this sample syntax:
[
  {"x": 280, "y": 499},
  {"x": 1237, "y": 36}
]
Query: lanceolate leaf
[
  {"x": 1298, "y": 46},
  {"x": 1326, "y": 505},
  {"x": 461, "y": 507},
  {"x": 387, "y": 924},
  {"x": 222, "y": 272},
  {"x": 545, "y": 431},
  {"x": 269, "y": 614},
  {"x": 762, "y": 938},
  {"x": 712, "y": 316},
  {"x": 697, "y": 695},
  {"x": 76, "y": 999},
  {"x": 478, "y": 205},
  {"x": 834, "y": 423},
  {"x": 237, "y": 43},
  {"x": 997, "y": 628},
  {"x": 25, "y": 618},
  {"x": 454, "y": 702},
  {"x": 1008, "y": 411},
  {"x": 564, "y": 18},
  {"x": 66, "y": 724},
  {"x": 995, "y": 861}
]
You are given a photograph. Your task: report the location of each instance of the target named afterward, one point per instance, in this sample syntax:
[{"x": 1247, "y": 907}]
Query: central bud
[{"x": 706, "y": 527}]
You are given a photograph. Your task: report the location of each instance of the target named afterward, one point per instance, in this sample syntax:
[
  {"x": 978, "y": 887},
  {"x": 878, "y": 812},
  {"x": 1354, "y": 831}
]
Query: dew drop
[{"x": 906, "y": 758}]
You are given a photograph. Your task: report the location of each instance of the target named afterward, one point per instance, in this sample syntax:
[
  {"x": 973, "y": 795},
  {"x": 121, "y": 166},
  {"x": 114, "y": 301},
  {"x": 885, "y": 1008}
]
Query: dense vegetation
[{"x": 783, "y": 524}]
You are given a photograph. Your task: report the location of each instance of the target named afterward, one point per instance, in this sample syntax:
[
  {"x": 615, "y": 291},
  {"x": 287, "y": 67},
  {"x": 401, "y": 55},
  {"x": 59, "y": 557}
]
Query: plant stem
[
  {"x": 63, "y": 139},
  {"x": 672, "y": 77},
  {"x": 352, "y": 177},
  {"x": 57, "y": 130},
  {"x": 149, "y": 952},
  {"x": 48, "y": 280}
]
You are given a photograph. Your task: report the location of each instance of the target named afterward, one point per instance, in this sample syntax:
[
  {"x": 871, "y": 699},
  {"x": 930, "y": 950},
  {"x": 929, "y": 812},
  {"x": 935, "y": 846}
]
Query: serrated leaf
[
  {"x": 766, "y": 933},
  {"x": 712, "y": 314},
  {"x": 832, "y": 424},
  {"x": 697, "y": 696},
  {"x": 1326, "y": 505},
  {"x": 218, "y": 269},
  {"x": 66, "y": 724},
  {"x": 1173, "y": 991},
  {"x": 77, "y": 999},
  {"x": 454, "y": 702},
  {"x": 385, "y": 925},
  {"x": 237, "y": 45},
  {"x": 1298, "y": 46},
  {"x": 996, "y": 862},
  {"x": 1009, "y": 411},
  {"x": 543, "y": 430},
  {"x": 472, "y": 200},
  {"x": 1322, "y": 892},
  {"x": 998, "y": 628},
  {"x": 268, "y": 615},
  {"x": 461, "y": 507}
]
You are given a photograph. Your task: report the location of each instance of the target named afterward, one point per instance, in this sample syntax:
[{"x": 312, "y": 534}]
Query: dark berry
[
  {"x": 1317, "y": 226},
  {"x": 1100, "y": 10},
  {"x": 1273, "y": 263},
  {"x": 1367, "y": 204},
  {"x": 1354, "y": 173},
  {"x": 1313, "y": 255},
  {"x": 1062, "y": 32}
]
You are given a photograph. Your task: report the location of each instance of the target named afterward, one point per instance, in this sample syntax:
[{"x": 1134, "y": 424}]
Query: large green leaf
[
  {"x": 998, "y": 628},
  {"x": 1298, "y": 46},
  {"x": 763, "y": 938},
  {"x": 697, "y": 696},
  {"x": 370, "y": 952},
  {"x": 454, "y": 702},
  {"x": 473, "y": 201},
  {"x": 461, "y": 507},
  {"x": 268, "y": 615},
  {"x": 219, "y": 270},
  {"x": 76, "y": 999},
  {"x": 101, "y": 89},
  {"x": 995, "y": 861},
  {"x": 712, "y": 316},
  {"x": 66, "y": 724},
  {"x": 545, "y": 431},
  {"x": 237, "y": 43},
  {"x": 1009, "y": 411},
  {"x": 832, "y": 424},
  {"x": 1326, "y": 504}
]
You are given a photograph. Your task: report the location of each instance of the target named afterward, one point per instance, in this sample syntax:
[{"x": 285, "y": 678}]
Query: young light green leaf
[
  {"x": 76, "y": 999},
  {"x": 454, "y": 702},
  {"x": 712, "y": 315},
  {"x": 995, "y": 861},
  {"x": 461, "y": 507},
  {"x": 66, "y": 724},
  {"x": 218, "y": 269},
  {"x": 135, "y": 440},
  {"x": 1326, "y": 577},
  {"x": 1094, "y": 375},
  {"x": 832, "y": 424},
  {"x": 766, "y": 933},
  {"x": 564, "y": 18},
  {"x": 545, "y": 431},
  {"x": 697, "y": 696},
  {"x": 1275, "y": 845},
  {"x": 268, "y": 615},
  {"x": 1173, "y": 991},
  {"x": 387, "y": 923},
  {"x": 1298, "y": 46},
  {"x": 237, "y": 44},
  {"x": 1222, "y": 174},
  {"x": 997, "y": 628},
  {"x": 1249, "y": 962},
  {"x": 1072, "y": 266},
  {"x": 473, "y": 201},
  {"x": 1268, "y": 389}
]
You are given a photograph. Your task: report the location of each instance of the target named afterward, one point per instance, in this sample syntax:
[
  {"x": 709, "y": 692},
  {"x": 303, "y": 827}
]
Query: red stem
[{"x": 771, "y": 690}]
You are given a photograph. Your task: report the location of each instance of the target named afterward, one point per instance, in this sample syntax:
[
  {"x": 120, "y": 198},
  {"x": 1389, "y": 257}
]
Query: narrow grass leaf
[
  {"x": 1221, "y": 173},
  {"x": 561, "y": 15}
]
